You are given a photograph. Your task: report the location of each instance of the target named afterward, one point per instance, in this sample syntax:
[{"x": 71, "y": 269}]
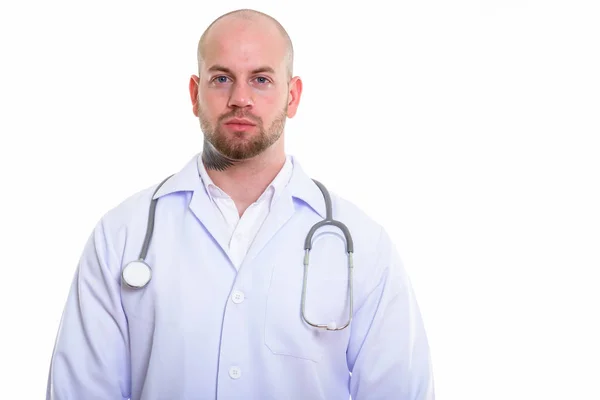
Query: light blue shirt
[{"x": 201, "y": 329}]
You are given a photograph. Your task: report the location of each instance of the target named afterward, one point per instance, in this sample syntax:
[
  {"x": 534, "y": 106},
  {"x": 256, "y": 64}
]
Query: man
[{"x": 224, "y": 311}]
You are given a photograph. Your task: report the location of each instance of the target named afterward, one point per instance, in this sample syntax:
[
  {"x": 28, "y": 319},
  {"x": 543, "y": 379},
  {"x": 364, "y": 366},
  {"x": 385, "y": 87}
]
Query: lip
[{"x": 239, "y": 121}]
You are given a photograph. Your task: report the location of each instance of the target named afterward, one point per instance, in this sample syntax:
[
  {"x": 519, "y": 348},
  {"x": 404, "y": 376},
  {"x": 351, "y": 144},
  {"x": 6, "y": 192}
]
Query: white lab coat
[{"x": 203, "y": 329}]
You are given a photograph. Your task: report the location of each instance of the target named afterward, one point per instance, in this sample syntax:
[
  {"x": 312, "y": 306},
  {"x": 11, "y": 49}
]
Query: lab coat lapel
[
  {"x": 205, "y": 211},
  {"x": 300, "y": 186},
  {"x": 188, "y": 180},
  {"x": 281, "y": 211}
]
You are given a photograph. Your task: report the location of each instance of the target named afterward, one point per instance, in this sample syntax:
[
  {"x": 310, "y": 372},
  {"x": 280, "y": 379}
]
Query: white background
[{"x": 469, "y": 129}]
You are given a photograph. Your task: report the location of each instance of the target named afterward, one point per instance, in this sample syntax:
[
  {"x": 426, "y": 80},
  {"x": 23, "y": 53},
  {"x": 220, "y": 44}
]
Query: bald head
[
  {"x": 245, "y": 60},
  {"x": 247, "y": 17}
]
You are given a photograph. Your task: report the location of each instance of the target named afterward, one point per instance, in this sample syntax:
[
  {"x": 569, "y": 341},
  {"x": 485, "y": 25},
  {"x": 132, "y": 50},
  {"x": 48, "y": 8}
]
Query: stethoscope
[{"x": 137, "y": 274}]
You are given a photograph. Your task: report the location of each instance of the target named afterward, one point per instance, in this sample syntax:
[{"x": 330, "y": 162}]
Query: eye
[
  {"x": 221, "y": 79},
  {"x": 262, "y": 80}
]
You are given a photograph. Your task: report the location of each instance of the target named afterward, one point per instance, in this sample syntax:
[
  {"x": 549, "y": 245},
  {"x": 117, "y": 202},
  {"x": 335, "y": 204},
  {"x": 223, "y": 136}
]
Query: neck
[{"x": 244, "y": 181}]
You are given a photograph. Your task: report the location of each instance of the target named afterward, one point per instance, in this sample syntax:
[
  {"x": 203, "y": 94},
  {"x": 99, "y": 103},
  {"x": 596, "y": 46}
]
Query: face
[{"x": 243, "y": 93}]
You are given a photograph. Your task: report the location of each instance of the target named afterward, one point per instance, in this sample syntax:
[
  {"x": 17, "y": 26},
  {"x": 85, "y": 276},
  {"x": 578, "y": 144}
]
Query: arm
[
  {"x": 90, "y": 357},
  {"x": 388, "y": 354}
]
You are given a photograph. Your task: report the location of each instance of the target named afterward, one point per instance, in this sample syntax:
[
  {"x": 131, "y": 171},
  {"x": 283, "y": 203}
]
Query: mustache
[{"x": 238, "y": 114}]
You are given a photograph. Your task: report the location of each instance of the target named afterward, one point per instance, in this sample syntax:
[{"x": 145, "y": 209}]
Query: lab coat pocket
[{"x": 286, "y": 331}]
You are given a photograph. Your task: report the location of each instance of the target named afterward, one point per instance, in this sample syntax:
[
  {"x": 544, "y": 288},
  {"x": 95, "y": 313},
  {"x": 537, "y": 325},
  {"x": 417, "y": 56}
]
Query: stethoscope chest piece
[{"x": 136, "y": 274}]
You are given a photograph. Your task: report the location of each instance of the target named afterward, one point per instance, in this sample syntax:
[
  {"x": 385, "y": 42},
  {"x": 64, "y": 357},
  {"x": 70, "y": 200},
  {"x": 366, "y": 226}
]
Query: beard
[{"x": 239, "y": 147}]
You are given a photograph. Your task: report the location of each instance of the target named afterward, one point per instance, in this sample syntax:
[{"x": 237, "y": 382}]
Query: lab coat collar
[{"x": 300, "y": 186}]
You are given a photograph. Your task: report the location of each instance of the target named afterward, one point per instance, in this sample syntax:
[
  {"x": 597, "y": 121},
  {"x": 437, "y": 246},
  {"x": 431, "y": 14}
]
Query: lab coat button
[
  {"x": 235, "y": 372},
  {"x": 237, "y": 297}
]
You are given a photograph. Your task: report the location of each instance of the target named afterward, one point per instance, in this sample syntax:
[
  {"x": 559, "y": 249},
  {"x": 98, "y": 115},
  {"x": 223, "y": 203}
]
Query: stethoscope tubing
[{"x": 307, "y": 247}]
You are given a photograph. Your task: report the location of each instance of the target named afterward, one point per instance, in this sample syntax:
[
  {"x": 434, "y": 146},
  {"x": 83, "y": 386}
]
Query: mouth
[
  {"x": 239, "y": 124},
  {"x": 240, "y": 121}
]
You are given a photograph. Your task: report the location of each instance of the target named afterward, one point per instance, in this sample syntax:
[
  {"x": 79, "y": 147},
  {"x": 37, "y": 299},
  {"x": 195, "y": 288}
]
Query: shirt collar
[
  {"x": 270, "y": 194},
  {"x": 291, "y": 178}
]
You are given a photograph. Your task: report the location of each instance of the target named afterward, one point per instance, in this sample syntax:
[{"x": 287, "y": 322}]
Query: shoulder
[
  {"x": 365, "y": 229},
  {"x": 131, "y": 208},
  {"x": 344, "y": 207},
  {"x": 375, "y": 255},
  {"x": 109, "y": 237}
]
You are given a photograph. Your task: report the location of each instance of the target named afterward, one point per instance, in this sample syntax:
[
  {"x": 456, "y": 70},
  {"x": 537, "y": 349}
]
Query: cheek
[
  {"x": 212, "y": 104},
  {"x": 270, "y": 101}
]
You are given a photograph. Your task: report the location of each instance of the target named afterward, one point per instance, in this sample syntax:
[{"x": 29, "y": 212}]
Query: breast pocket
[{"x": 286, "y": 332}]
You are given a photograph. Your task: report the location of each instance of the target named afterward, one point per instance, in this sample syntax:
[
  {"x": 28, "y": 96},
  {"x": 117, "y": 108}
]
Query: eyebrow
[{"x": 220, "y": 68}]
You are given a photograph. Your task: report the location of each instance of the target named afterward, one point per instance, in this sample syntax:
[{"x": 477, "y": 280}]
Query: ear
[
  {"x": 295, "y": 91},
  {"x": 194, "y": 81}
]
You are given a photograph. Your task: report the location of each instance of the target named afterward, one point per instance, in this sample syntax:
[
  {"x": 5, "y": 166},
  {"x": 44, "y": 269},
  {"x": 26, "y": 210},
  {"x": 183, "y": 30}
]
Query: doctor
[{"x": 224, "y": 302}]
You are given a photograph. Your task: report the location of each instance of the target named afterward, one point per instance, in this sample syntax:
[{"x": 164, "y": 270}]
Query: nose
[{"x": 241, "y": 96}]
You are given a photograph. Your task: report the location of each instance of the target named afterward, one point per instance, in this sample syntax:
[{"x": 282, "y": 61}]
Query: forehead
[{"x": 244, "y": 44}]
